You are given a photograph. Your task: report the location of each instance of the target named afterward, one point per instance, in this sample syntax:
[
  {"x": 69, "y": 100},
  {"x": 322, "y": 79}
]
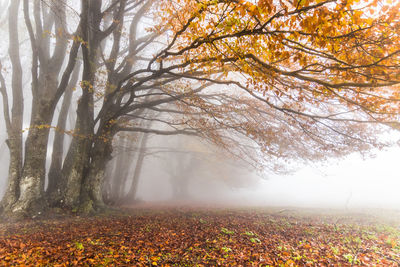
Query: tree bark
[
  {"x": 76, "y": 167},
  {"x": 76, "y": 161},
  {"x": 14, "y": 174},
  {"x": 131, "y": 195},
  {"x": 13, "y": 124},
  {"x": 31, "y": 184},
  {"x": 78, "y": 156},
  {"x": 91, "y": 194},
  {"x": 46, "y": 91},
  {"x": 121, "y": 170},
  {"x": 54, "y": 176}
]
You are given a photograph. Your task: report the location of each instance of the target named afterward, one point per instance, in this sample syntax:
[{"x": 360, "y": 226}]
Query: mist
[
  {"x": 215, "y": 179},
  {"x": 353, "y": 182}
]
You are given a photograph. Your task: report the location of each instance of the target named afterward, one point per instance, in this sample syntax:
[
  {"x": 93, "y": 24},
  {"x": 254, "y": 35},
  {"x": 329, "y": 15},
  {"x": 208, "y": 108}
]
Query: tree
[
  {"x": 300, "y": 80},
  {"x": 26, "y": 179},
  {"x": 190, "y": 162}
]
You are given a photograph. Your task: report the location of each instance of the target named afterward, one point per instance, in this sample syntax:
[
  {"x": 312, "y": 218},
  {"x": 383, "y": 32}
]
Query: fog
[{"x": 349, "y": 183}]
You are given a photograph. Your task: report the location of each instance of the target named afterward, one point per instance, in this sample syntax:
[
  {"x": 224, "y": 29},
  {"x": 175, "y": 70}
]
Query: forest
[{"x": 226, "y": 90}]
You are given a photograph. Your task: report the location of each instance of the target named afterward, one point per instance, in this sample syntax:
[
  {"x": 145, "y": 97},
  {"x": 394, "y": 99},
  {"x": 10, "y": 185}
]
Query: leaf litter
[{"x": 200, "y": 237}]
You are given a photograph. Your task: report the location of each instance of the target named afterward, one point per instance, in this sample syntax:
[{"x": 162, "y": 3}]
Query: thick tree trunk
[
  {"x": 31, "y": 185},
  {"x": 77, "y": 159},
  {"x": 46, "y": 91},
  {"x": 14, "y": 174},
  {"x": 91, "y": 195},
  {"x": 78, "y": 156},
  {"x": 13, "y": 123},
  {"x": 31, "y": 198}
]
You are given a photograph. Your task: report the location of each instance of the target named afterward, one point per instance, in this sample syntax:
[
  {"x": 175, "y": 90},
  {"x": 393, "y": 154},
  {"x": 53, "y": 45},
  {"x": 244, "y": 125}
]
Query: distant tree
[{"x": 189, "y": 162}]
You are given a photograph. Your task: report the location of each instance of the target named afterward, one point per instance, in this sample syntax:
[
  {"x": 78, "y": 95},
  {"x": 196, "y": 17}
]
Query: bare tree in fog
[
  {"x": 187, "y": 79},
  {"x": 180, "y": 169},
  {"x": 190, "y": 161},
  {"x": 119, "y": 167},
  {"x": 131, "y": 195},
  {"x": 124, "y": 170}
]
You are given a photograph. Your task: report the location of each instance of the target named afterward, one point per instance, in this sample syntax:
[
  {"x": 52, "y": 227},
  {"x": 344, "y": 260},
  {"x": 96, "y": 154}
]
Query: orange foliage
[{"x": 304, "y": 52}]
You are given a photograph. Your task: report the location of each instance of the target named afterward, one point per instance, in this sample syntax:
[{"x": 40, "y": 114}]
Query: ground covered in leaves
[{"x": 203, "y": 237}]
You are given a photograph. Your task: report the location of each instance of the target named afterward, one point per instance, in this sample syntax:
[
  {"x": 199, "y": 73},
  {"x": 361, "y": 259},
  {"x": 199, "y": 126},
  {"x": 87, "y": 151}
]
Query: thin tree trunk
[
  {"x": 14, "y": 174},
  {"x": 54, "y": 175},
  {"x": 131, "y": 195},
  {"x": 121, "y": 171}
]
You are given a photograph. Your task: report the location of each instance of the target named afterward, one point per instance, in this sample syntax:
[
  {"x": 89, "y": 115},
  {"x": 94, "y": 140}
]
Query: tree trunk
[
  {"x": 31, "y": 185},
  {"x": 77, "y": 159},
  {"x": 54, "y": 176},
  {"x": 121, "y": 170},
  {"x": 46, "y": 91},
  {"x": 131, "y": 196},
  {"x": 107, "y": 186},
  {"x": 91, "y": 194},
  {"x": 181, "y": 176},
  {"x": 78, "y": 156},
  {"x": 14, "y": 174},
  {"x": 13, "y": 124}
]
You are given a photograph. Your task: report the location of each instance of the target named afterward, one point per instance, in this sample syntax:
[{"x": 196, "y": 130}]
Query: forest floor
[{"x": 188, "y": 236}]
